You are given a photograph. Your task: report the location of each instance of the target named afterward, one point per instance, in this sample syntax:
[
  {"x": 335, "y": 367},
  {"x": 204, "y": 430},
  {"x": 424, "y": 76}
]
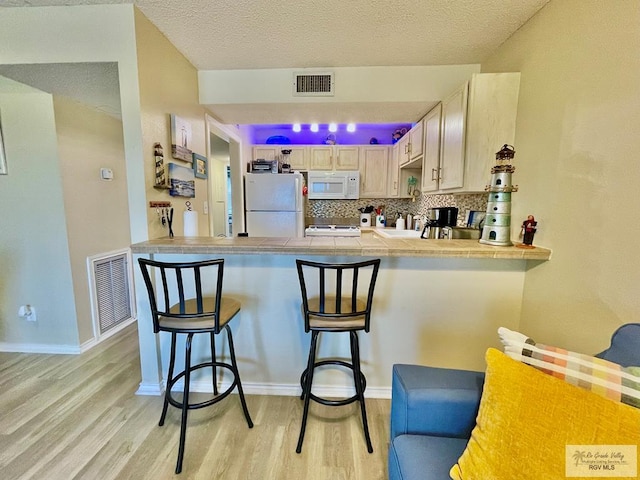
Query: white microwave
[{"x": 330, "y": 185}]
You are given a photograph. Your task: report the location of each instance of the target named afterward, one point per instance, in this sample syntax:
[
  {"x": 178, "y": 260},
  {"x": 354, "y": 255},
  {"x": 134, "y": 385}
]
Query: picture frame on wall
[
  {"x": 200, "y": 166},
  {"x": 3, "y": 158},
  {"x": 181, "y": 181},
  {"x": 180, "y": 139}
]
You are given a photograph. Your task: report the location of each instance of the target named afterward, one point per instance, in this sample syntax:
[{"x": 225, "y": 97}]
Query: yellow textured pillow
[{"x": 527, "y": 418}]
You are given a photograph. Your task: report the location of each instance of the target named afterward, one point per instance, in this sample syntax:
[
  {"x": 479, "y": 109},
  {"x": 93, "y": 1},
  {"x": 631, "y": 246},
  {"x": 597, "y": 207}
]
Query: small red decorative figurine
[{"x": 529, "y": 227}]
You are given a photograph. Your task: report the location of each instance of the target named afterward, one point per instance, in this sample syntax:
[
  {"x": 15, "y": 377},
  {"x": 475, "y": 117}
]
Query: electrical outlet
[{"x": 28, "y": 313}]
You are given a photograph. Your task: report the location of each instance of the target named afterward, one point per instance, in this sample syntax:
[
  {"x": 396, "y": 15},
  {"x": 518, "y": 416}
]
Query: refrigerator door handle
[{"x": 298, "y": 194}]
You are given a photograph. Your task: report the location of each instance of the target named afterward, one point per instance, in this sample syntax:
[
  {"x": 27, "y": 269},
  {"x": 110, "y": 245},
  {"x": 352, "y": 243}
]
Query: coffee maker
[{"x": 438, "y": 219}]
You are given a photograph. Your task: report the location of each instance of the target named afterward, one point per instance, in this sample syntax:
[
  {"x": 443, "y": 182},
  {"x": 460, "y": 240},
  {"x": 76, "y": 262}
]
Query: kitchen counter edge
[{"x": 365, "y": 246}]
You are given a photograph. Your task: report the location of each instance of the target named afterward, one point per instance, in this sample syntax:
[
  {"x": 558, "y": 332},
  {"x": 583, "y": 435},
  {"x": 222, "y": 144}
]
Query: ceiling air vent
[{"x": 313, "y": 84}]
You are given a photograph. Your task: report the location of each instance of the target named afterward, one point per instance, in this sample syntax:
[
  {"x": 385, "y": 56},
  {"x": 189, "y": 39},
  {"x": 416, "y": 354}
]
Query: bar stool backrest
[
  {"x": 180, "y": 283},
  {"x": 341, "y": 290}
]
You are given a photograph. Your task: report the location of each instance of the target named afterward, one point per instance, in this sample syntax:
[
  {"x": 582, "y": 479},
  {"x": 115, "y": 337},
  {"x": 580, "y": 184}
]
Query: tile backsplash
[{"x": 347, "y": 210}]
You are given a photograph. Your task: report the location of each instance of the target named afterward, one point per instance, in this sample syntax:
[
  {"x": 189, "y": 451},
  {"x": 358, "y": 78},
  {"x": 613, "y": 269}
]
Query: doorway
[{"x": 226, "y": 216}]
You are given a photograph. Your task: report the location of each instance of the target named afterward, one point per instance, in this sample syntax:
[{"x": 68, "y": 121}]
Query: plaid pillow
[{"x": 605, "y": 378}]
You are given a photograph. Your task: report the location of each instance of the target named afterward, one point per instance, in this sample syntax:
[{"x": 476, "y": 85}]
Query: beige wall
[
  {"x": 34, "y": 252},
  {"x": 168, "y": 84},
  {"x": 31, "y": 194},
  {"x": 577, "y": 165},
  {"x": 96, "y": 211}
]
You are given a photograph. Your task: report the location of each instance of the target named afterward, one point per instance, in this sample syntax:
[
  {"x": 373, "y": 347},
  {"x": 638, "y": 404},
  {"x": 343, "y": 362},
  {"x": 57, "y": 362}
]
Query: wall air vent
[
  {"x": 110, "y": 284},
  {"x": 313, "y": 84}
]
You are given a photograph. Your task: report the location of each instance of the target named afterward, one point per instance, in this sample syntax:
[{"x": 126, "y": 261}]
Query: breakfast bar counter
[
  {"x": 369, "y": 244},
  {"x": 437, "y": 302}
]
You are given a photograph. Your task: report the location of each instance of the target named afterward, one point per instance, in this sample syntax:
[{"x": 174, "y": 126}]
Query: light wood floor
[{"x": 68, "y": 417}]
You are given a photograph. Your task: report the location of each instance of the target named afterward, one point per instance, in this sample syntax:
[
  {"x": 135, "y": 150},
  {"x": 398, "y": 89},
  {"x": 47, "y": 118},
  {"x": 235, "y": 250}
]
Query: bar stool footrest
[
  {"x": 330, "y": 402},
  {"x": 206, "y": 403}
]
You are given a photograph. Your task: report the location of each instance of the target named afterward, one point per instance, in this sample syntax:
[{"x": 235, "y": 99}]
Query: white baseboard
[
  {"x": 108, "y": 334},
  {"x": 61, "y": 349},
  {"x": 151, "y": 389},
  {"x": 291, "y": 390},
  {"x": 40, "y": 348}
]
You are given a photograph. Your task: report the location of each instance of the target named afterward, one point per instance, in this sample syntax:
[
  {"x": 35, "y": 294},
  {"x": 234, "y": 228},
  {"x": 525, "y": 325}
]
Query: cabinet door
[
  {"x": 298, "y": 158},
  {"x": 373, "y": 171},
  {"x": 266, "y": 152},
  {"x": 347, "y": 158},
  {"x": 431, "y": 159},
  {"x": 393, "y": 172},
  {"x": 321, "y": 158},
  {"x": 403, "y": 150},
  {"x": 491, "y": 122},
  {"x": 454, "y": 112},
  {"x": 416, "y": 140}
]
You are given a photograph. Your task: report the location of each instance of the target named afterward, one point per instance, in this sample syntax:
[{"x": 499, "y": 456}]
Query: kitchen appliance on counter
[
  {"x": 332, "y": 231},
  {"x": 274, "y": 205},
  {"x": 439, "y": 219},
  {"x": 333, "y": 185},
  {"x": 444, "y": 216},
  {"x": 264, "y": 166}
]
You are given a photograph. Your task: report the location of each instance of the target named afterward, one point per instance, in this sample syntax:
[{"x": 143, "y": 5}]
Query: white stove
[{"x": 332, "y": 231}]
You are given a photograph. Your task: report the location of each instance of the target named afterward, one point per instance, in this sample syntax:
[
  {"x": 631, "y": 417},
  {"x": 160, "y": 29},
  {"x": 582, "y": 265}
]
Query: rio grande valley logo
[{"x": 601, "y": 461}]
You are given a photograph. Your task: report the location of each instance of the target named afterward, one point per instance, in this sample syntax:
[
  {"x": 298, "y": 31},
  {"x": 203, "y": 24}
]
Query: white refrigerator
[{"x": 274, "y": 204}]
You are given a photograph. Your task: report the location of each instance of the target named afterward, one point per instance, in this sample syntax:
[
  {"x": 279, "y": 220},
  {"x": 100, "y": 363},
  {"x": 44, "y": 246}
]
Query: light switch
[
  {"x": 205, "y": 208},
  {"x": 106, "y": 174}
]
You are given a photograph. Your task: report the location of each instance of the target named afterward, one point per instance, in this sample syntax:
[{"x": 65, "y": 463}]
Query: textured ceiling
[
  {"x": 256, "y": 34},
  {"x": 94, "y": 84}
]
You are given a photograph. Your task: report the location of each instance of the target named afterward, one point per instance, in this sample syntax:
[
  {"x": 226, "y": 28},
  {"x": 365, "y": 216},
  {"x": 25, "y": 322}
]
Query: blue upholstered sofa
[{"x": 433, "y": 411}]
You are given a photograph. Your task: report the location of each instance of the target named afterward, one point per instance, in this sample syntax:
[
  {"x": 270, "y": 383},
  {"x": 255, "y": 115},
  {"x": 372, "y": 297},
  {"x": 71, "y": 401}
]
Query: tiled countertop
[{"x": 367, "y": 245}]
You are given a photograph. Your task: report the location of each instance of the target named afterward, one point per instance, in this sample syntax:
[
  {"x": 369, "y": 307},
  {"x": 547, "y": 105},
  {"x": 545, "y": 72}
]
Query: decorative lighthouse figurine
[{"x": 497, "y": 222}]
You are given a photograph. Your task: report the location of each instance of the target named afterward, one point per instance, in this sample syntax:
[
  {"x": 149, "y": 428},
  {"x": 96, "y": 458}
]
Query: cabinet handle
[
  {"x": 433, "y": 174},
  {"x": 395, "y": 185},
  {"x": 440, "y": 173}
]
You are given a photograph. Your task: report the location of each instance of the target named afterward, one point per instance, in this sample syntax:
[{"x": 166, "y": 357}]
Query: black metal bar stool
[
  {"x": 340, "y": 302},
  {"x": 185, "y": 310}
]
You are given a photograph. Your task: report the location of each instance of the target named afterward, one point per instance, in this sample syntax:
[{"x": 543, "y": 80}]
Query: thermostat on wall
[{"x": 106, "y": 174}]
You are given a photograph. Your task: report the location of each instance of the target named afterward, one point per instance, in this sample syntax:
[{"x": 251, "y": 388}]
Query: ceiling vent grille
[{"x": 313, "y": 85}]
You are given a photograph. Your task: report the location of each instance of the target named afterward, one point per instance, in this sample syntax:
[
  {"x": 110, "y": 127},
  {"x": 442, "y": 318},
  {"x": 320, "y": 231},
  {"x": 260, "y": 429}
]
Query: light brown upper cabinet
[
  {"x": 477, "y": 120},
  {"x": 373, "y": 171},
  {"x": 431, "y": 162},
  {"x": 298, "y": 158},
  {"x": 410, "y": 147},
  {"x": 334, "y": 157}
]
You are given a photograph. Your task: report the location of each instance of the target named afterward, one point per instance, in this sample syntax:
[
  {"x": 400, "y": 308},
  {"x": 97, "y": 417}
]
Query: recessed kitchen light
[
  {"x": 314, "y": 127},
  {"x": 296, "y": 127},
  {"x": 333, "y": 128},
  {"x": 351, "y": 127}
]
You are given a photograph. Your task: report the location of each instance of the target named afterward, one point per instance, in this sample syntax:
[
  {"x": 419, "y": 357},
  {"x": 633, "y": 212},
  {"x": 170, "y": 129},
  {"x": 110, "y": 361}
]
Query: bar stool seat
[
  {"x": 178, "y": 306},
  {"x": 343, "y": 304}
]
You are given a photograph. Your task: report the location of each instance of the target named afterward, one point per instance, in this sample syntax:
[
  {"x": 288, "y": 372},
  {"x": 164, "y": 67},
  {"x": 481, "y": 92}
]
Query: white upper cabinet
[
  {"x": 346, "y": 157},
  {"x": 454, "y": 116},
  {"x": 373, "y": 171},
  {"x": 321, "y": 158},
  {"x": 431, "y": 162},
  {"x": 393, "y": 172},
  {"x": 334, "y": 157},
  {"x": 266, "y": 152},
  {"x": 403, "y": 150},
  {"x": 410, "y": 147},
  {"x": 416, "y": 140},
  {"x": 477, "y": 120},
  {"x": 298, "y": 158}
]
